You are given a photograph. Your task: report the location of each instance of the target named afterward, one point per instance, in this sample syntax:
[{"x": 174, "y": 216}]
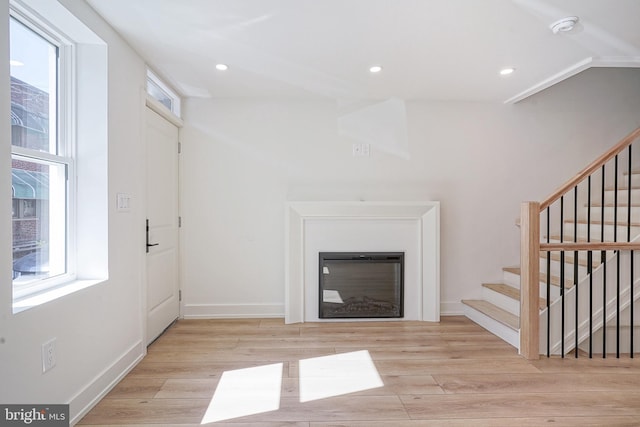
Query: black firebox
[{"x": 361, "y": 285}]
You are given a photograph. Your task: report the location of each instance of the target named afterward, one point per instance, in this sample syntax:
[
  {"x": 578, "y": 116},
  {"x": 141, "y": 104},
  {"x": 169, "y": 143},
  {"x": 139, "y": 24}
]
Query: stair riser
[
  {"x": 507, "y": 334},
  {"x": 582, "y": 259},
  {"x": 511, "y": 279},
  {"x": 596, "y": 231},
  {"x": 568, "y": 268},
  {"x": 622, "y": 212},
  {"x": 504, "y": 302},
  {"x": 622, "y": 195},
  {"x": 555, "y": 292},
  {"x": 514, "y": 280},
  {"x": 596, "y": 258},
  {"x": 623, "y": 179},
  {"x": 635, "y": 179}
]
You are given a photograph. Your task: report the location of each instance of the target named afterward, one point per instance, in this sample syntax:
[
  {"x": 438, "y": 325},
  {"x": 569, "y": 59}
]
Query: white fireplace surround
[{"x": 427, "y": 214}]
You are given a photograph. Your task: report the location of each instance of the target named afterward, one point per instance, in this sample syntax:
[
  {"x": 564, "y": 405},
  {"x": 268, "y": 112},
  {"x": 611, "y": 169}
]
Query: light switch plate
[
  {"x": 361, "y": 150},
  {"x": 123, "y": 202}
]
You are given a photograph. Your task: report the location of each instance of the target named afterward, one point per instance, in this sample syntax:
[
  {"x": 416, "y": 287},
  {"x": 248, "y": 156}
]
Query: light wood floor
[{"x": 449, "y": 374}]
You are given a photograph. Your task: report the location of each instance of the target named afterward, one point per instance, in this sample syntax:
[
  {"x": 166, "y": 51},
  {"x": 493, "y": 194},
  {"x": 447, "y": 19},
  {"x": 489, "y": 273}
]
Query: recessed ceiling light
[
  {"x": 564, "y": 25},
  {"x": 375, "y": 69},
  {"x": 222, "y": 67},
  {"x": 506, "y": 71},
  {"x": 15, "y": 63}
]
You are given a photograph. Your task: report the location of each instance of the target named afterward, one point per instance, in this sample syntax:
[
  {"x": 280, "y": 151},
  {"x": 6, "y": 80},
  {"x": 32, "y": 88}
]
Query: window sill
[{"x": 44, "y": 297}]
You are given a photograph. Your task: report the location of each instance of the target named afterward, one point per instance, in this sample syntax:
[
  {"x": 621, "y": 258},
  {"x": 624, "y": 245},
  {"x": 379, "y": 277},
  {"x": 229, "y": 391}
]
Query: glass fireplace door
[{"x": 361, "y": 285}]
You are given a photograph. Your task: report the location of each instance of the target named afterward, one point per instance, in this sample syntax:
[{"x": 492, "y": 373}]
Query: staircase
[{"x": 602, "y": 219}]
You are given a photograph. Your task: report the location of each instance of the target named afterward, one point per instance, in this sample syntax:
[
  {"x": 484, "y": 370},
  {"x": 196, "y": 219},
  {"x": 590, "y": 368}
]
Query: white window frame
[
  {"x": 66, "y": 143},
  {"x": 87, "y": 126},
  {"x": 172, "y": 94}
]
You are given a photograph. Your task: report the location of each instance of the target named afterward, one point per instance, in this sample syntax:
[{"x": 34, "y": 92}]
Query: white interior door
[{"x": 163, "y": 304}]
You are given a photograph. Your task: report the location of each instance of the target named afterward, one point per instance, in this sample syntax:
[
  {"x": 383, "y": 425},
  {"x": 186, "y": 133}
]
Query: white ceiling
[{"x": 430, "y": 49}]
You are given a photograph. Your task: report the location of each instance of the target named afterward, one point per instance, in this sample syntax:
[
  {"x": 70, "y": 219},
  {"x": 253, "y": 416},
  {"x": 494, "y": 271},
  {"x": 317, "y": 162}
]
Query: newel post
[{"x": 530, "y": 280}]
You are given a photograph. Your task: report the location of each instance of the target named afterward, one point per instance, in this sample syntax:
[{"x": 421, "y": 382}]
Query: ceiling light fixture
[
  {"x": 564, "y": 25},
  {"x": 222, "y": 67},
  {"x": 15, "y": 63},
  {"x": 375, "y": 69},
  {"x": 506, "y": 71}
]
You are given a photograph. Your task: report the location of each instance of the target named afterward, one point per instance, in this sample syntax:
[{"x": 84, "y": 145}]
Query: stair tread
[
  {"x": 504, "y": 289},
  {"x": 511, "y": 292},
  {"x": 555, "y": 280},
  {"x": 619, "y": 223},
  {"x": 611, "y": 205},
  {"x": 569, "y": 239},
  {"x": 494, "y": 312},
  {"x": 568, "y": 258},
  {"x": 633, "y": 187}
]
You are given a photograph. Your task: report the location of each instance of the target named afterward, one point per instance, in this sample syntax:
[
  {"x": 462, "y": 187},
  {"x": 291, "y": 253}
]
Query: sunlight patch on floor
[
  {"x": 245, "y": 392},
  {"x": 338, "y": 374}
]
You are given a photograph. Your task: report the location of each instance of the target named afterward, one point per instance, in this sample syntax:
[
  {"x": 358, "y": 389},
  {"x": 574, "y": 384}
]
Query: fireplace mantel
[{"x": 298, "y": 213}]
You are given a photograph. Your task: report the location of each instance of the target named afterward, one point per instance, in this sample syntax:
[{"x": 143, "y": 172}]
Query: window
[
  {"x": 162, "y": 93},
  {"x": 42, "y": 159},
  {"x": 59, "y": 151}
]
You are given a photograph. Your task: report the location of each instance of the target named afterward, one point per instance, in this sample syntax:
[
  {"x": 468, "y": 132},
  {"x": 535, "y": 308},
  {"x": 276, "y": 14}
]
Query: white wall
[
  {"x": 242, "y": 159},
  {"x": 99, "y": 329}
]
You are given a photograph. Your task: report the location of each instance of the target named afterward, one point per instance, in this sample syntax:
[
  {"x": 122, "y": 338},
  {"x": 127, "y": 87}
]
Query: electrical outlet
[{"x": 48, "y": 355}]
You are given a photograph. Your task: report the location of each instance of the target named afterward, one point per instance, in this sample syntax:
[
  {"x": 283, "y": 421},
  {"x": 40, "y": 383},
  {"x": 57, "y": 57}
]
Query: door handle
[{"x": 147, "y": 238}]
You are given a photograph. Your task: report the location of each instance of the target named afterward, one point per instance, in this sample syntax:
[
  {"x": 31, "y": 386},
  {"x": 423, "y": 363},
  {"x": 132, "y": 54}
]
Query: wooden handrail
[{"x": 595, "y": 165}]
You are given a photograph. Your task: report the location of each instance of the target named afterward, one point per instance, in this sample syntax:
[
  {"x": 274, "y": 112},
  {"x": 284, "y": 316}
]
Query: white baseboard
[
  {"x": 239, "y": 311},
  {"x": 451, "y": 308},
  {"x": 232, "y": 311},
  {"x": 102, "y": 384}
]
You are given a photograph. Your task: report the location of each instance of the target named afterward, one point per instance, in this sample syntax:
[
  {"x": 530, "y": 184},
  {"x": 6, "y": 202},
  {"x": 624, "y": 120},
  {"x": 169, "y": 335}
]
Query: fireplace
[
  {"x": 361, "y": 285},
  {"x": 373, "y": 226}
]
